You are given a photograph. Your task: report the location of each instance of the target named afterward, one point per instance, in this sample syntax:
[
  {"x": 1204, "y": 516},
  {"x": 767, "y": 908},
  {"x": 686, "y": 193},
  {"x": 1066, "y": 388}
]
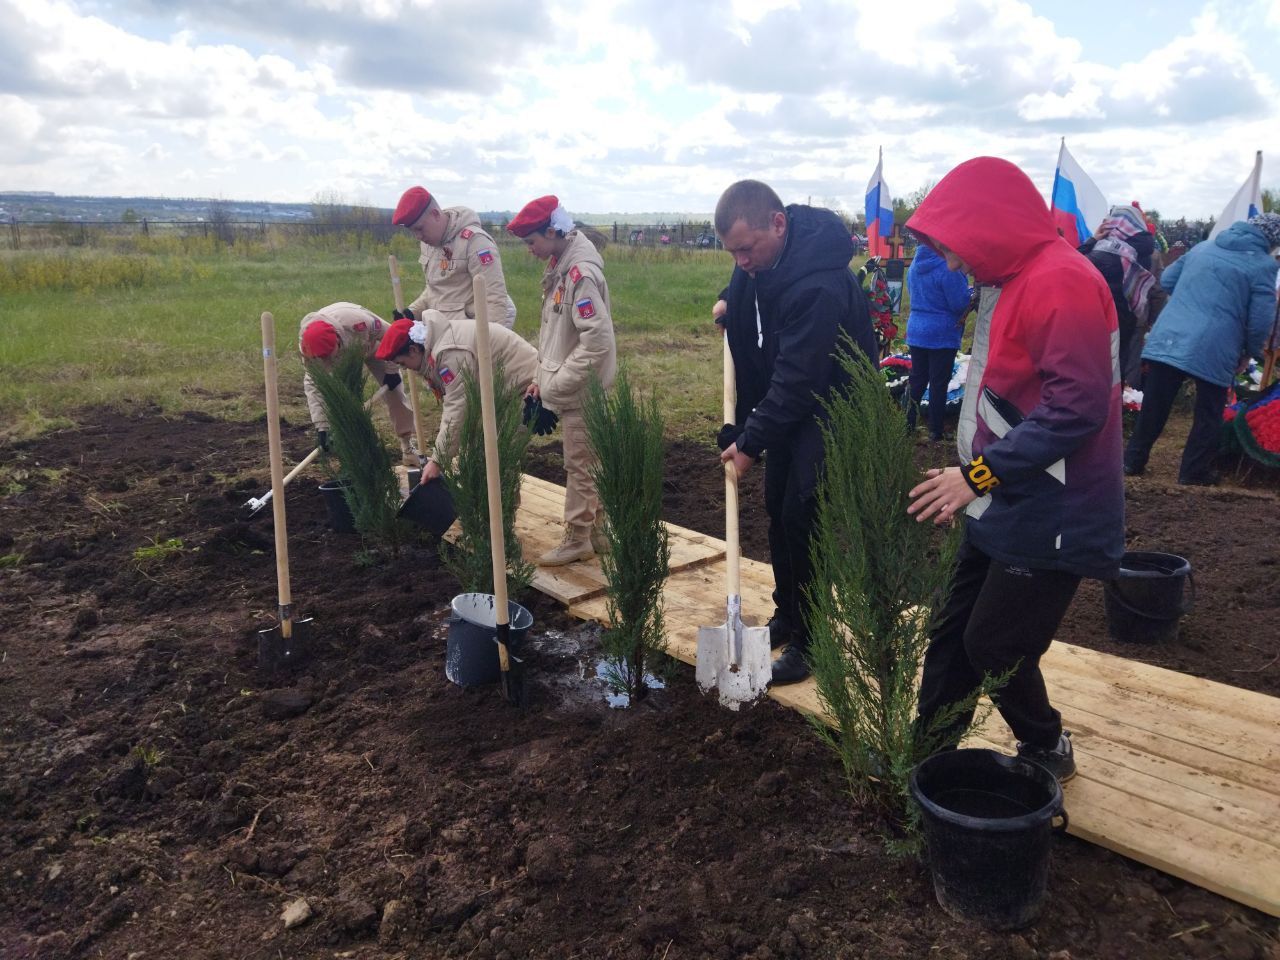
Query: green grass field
[{"x": 180, "y": 327}]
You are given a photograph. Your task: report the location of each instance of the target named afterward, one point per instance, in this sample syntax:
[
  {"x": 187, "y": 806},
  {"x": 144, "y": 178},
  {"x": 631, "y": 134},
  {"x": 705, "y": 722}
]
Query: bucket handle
[
  {"x": 1188, "y": 602},
  {"x": 1060, "y": 827}
]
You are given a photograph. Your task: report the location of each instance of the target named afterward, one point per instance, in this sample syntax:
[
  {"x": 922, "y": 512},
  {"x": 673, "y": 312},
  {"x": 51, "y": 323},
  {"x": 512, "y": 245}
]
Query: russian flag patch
[
  {"x": 586, "y": 309},
  {"x": 446, "y": 376},
  {"x": 485, "y": 257}
]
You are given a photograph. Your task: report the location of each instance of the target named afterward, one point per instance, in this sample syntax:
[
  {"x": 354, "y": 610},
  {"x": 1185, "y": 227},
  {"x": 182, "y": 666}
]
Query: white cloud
[{"x": 614, "y": 104}]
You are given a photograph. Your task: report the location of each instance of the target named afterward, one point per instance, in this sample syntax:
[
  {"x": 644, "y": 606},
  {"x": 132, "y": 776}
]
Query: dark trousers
[
  {"x": 995, "y": 617},
  {"x": 1160, "y": 388},
  {"x": 932, "y": 368},
  {"x": 791, "y": 504}
]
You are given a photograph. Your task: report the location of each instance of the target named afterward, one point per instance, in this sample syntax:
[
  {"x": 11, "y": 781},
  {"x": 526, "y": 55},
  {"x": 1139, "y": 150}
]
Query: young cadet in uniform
[
  {"x": 574, "y": 340},
  {"x": 441, "y": 349},
  {"x": 1039, "y": 444},
  {"x": 791, "y": 297},
  {"x": 328, "y": 331},
  {"x": 455, "y": 248}
]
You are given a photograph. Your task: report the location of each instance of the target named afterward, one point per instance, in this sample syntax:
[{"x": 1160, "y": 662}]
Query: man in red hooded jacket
[{"x": 1039, "y": 443}]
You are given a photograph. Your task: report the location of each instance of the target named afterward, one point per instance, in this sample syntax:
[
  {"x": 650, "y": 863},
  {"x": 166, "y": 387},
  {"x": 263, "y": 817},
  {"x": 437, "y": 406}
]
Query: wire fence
[{"x": 52, "y": 234}]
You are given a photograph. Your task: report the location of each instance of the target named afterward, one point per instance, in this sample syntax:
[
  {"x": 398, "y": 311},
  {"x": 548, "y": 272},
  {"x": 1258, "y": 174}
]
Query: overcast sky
[{"x": 631, "y": 105}]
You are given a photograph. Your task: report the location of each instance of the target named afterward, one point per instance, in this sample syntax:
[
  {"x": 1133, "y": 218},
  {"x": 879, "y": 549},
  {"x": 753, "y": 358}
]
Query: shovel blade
[
  {"x": 277, "y": 653},
  {"x": 735, "y": 683}
]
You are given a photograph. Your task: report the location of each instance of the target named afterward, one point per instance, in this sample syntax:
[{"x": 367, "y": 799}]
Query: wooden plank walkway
[{"x": 1176, "y": 772}]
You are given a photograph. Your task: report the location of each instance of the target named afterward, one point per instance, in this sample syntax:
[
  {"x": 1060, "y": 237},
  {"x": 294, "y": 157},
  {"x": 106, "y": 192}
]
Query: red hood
[{"x": 989, "y": 213}]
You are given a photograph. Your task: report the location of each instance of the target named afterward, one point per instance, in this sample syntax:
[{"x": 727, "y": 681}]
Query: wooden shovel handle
[
  {"x": 277, "y": 474},
  {"x": 484, "y": 373},
  {"x": 398, "y": 292},
  {"x": 732, "y": 567}
]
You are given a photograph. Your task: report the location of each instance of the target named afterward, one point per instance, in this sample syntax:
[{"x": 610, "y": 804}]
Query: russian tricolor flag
[
  {"x": 1078, "y": 206},
  {"x": 1246, "y": 203},
  {"x": 879, "y": 212}
]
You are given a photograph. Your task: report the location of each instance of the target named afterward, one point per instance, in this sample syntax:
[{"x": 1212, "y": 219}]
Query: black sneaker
[
  {"x": 1059, "y": 760},
  {"x": 791, "y": 667},
  {"x": 1133, "y": 471},
  {"x": 779, "y": 631}
]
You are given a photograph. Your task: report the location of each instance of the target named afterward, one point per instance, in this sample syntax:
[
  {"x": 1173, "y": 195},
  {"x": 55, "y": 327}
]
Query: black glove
[
  {"x": 405, "y": 314},
  {"x": 322, "y": 440},
  {"x": 728, "y": 436},
  {"x": 391, "y": 381},
  {"x": 538, "y": 418},
  {"x": 872, "y": 263}
]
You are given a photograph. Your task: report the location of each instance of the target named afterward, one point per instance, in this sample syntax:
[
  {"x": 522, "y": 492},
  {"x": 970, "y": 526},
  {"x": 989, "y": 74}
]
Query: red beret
[
  {"x": 319, "y": 339},
  {"x": 534, "y": 215},
  {"x": 395, "y": 340},
  {"x": 412, "y": 205}
]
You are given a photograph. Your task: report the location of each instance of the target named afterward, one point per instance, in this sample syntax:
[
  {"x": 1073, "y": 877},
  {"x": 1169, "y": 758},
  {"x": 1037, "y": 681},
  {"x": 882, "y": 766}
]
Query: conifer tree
[
  {"x": 880, "y": 577},
  {"x": 470, "y": 557},
  {"x": 369, "y": 482},
  {"x": 625, "y": 433}
]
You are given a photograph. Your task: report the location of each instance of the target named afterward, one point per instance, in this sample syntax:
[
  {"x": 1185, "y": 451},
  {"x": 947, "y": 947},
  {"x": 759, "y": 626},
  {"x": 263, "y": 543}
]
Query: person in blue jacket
[
  {"x": 939, "y": 301},
  {"x": 1220, "y": 312}
]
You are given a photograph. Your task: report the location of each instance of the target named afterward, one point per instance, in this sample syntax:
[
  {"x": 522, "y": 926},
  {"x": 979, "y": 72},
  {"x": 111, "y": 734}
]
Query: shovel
[
  {"x": 512, "y": 668},
  {"x": 288, "y": 644},
  {"x": 257, "y": 503},
  {"x": 733, "y": 659},
  {"x": 398, "y": 293}
]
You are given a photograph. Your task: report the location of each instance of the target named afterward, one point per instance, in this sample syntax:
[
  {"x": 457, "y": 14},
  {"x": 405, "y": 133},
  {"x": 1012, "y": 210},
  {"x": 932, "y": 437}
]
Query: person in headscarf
[
  {"x": 1039, "y": 444},
  {"x": 1121, "y": 249},
  {"x": 1221, "y": 308}
]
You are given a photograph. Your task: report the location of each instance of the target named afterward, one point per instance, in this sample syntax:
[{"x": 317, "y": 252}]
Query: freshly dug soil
[{"x": 161, "y": 798}]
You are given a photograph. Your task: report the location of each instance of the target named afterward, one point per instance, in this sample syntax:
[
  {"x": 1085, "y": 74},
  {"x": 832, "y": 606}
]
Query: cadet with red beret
[
  {"x": 441, "y": 348},
  {"x": 575, "y": 339},
  {"x": 328, "y": 331},
  {"x": 455, "y": 248}
]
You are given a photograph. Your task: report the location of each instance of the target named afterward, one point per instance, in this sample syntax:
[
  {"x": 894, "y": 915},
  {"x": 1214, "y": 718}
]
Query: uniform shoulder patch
[
  {"x": 446, "y": 375},
  {"x": 485, "y": 256},
  {"x": 467, "y": 233},
  {"x": 575, "y": 274},
  {"x": 361, "y": 325},
  {"x": 586, "y": 308}
]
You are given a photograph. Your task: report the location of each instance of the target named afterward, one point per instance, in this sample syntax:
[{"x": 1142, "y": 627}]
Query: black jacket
[{"x": 789, "y": 364}]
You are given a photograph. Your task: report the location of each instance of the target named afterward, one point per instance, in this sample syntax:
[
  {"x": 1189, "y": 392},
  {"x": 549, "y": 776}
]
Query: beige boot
[
  {"x": 599, "y": 539},
  {"x": 576, "y": 545},
  {"x": 409, "y": 452}
]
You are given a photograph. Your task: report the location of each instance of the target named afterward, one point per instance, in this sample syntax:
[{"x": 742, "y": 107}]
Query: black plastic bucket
[
  {"x": 1153, "y": 592},
  {"x": 341, "y": 520},
  {"x": 430, "y": 506},
  {"x": 988, "y": 822},
  {"x": 471, "y": 654}
]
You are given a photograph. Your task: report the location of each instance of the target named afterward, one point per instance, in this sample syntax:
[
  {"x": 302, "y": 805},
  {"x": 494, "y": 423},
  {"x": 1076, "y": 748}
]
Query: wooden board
[
  {"x": 540, "y": 527},
  {"x": 1177, "y": 772}
]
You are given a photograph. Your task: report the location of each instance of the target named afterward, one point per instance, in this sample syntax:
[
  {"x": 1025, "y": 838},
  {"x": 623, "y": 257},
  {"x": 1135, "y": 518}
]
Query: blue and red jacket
[{"x": 1043, "y": 401}]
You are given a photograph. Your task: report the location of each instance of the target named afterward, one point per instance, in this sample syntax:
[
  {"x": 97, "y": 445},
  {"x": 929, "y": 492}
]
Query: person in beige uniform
[
  {"x": 575, "y": 339},
  {"x": 441, "y": 349},
  {"x": 455, "y": 248},
  {"x": 326, "y": 332}
]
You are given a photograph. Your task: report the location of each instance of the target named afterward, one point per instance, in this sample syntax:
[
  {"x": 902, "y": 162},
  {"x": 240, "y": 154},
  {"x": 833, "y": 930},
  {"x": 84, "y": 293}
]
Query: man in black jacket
[{"x": 791, "y": 297}]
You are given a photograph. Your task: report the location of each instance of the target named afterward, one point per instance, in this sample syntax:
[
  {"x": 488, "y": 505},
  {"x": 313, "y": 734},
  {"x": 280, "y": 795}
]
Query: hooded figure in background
[
  {"x": 1222, "y": 306},
  {"x": 1039, "y": 446},
  {"x": 1121, "y": 249}
]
